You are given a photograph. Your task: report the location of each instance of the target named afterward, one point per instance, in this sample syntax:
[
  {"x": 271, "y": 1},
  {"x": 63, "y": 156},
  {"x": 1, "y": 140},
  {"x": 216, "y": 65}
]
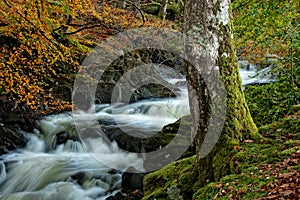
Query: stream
[{"x": 56, "y": 165}]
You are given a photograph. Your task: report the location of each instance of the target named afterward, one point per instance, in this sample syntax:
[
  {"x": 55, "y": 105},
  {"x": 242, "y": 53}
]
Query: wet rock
[
  {"x": 132, "y": 180},
  {"x": 62, "y": 138},
  {"x": 13, "y": 119},
  {"x": 152, "y": 143},
  {"x": 10, "y": 138},
  {"x": 79, "y": 178},
  {"x": 127, "y": 195}
]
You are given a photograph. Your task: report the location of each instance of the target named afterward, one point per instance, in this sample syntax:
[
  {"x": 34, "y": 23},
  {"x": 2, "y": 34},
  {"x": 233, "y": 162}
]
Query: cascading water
[
  {"x": 251, "y": 75},
  {"x": 68, "y": 171},
  {"x": 48, "y": 168},
  {"x": 56, "y": 165}
]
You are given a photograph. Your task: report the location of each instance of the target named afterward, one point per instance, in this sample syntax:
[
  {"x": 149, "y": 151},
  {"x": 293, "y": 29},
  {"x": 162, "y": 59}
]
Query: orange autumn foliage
[{"x": 42, "y": 42}]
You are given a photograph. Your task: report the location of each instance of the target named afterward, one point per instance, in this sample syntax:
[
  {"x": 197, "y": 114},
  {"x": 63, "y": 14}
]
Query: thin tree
[{"x": 163, "y": 9}]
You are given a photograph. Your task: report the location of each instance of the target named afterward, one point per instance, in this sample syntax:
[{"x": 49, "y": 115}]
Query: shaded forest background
[{"x": 43, "y": 42}]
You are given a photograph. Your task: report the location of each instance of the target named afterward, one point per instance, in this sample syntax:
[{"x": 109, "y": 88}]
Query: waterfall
[{"x": 55, "y": 164}]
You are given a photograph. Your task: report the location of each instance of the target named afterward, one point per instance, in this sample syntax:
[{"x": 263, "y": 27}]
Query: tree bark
[
  {"x": 208, "y": 23},
  {"x": 163, "y": 9},
  {"x": 121, "y": 4}
]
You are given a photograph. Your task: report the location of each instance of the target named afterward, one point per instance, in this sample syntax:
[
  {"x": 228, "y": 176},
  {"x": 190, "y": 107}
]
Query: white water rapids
[{"x": 47, "y": 170}]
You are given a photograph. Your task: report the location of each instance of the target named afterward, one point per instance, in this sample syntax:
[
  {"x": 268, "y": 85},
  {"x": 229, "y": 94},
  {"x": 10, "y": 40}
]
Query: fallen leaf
[
  {"x": 287, "y": 175},
  {"x": 288, "y": 193}
]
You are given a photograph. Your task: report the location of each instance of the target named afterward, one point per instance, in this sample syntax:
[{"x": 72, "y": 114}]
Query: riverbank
[{"x": 267, "y": 168}]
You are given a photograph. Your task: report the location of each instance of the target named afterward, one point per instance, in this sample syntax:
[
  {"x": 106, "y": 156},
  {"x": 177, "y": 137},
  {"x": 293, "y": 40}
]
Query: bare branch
[{"x": 83, "y": 28}]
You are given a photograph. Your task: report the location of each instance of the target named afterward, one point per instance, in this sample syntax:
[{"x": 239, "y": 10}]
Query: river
[{"x": 56, "y": 165}]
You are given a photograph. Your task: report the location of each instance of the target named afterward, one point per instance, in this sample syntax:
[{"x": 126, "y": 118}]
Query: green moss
[
  {"x": 220, "y": 163},
  {"x": 163, "y": 137},
  {"x": 269, "y": 103},
  {"x": 157, "y": 194},
  {"x": 288, "y": 125},
  {"x": 247, "y": 170},
  {"x": 179, "y": 174},
  {"x": 289, "y": 152},
  {"x": 152, "y": 8},
  {"x": 249, "y": 178},
  {"x": 239, "y": 121},
  {"x": 294, "y": 110},
  {"x": 297, "y": 167}
]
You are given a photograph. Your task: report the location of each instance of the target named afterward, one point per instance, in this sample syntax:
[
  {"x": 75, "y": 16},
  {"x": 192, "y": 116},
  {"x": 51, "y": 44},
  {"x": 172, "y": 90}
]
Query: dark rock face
[
  {"x": 10, "y": 138},
  {"x": 104, "y": 93},
  {"x": 132, "y": 180},
  {"x": 62, "y": 137},
  {"x": 127, "y": 64},
  {"x": 12, "y": 120}
]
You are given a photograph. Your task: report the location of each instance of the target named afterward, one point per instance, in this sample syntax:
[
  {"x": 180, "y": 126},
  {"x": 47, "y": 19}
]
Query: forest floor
[{"x": 265, "y": 168}]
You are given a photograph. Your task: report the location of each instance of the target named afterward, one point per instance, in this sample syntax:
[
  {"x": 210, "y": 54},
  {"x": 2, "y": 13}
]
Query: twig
[
  {"x": 83, "y": 28},
  {"x": 91, "y": 25}
]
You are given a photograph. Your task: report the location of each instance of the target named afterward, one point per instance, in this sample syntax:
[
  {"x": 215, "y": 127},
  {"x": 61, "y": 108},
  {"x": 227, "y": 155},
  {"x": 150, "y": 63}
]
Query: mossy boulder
[
  {"x": 176, "y": 177},
  {"x": 174, "y": 9},
  {"x": 151, "y": 8}
]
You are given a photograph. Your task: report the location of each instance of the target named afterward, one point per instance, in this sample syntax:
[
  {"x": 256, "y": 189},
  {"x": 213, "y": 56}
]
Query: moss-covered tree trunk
[{"x": 208, "y": 23}]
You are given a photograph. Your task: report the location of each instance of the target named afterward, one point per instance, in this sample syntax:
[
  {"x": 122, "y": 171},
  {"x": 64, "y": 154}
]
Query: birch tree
[{"x": 163, "y": 9}]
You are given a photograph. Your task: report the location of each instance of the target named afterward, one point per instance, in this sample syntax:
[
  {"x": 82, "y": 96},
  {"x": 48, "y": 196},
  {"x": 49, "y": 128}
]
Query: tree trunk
[
  {"x": 121, "y": 4},
  {"x": 163, "y": 9},
  {"x": 208, "y": 23}
]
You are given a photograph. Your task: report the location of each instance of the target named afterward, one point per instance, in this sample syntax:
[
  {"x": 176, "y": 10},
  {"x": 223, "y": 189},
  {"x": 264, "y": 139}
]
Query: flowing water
[
  {"x": 48, "y": 168},
  {"x": 251, "y": 75}
]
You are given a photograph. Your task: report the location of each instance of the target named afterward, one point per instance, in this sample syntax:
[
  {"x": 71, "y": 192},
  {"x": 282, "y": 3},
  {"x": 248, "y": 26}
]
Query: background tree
[
  {"x": 265, "y": 29},
  {"x": 209, "y": 24},
  {"x": 163, "y": 9}
]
